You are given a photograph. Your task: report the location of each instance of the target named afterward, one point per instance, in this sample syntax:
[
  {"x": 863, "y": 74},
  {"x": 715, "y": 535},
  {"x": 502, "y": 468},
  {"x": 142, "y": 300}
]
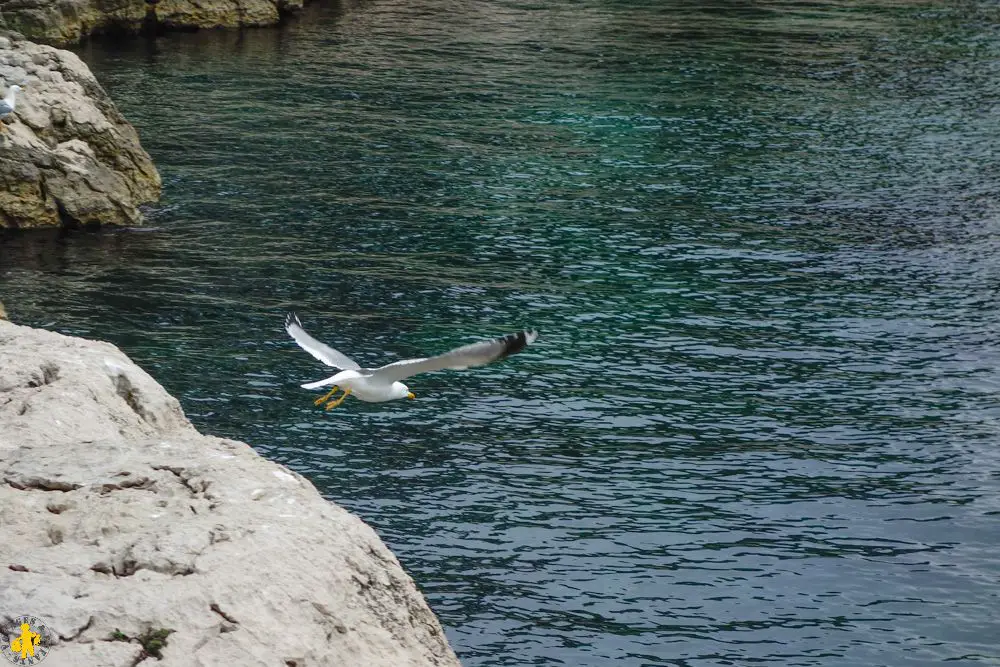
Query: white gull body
[{"x": 9, "y": 101}]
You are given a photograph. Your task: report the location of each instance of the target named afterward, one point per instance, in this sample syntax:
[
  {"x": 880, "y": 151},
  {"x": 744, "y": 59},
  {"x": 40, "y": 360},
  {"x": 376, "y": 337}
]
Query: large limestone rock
[
  {"x": 63, "y": 22},
  {"x": 68, "y": 157},
  {"x": 119, "y": 517}
]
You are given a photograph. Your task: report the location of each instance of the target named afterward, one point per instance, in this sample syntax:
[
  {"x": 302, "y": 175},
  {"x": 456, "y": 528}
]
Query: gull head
[
  {"x": 15, "y": 88},
  {"x": 400, "y": 390}
]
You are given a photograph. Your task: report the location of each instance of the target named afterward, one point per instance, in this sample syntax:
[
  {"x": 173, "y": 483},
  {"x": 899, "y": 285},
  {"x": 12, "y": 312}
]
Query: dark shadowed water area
[{"x": 761, "y": 242}]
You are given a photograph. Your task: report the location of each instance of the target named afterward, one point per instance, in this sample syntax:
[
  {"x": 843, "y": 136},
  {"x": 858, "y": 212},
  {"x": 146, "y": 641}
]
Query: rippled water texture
[{"x": 760, "y": 241}]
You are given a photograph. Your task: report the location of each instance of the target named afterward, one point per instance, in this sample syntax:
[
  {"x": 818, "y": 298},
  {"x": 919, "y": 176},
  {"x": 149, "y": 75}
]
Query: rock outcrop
[
  {"x": 68, "y": 156},
  {"x": 64, "y": 22},
  {"x": 121, "y": 522}
]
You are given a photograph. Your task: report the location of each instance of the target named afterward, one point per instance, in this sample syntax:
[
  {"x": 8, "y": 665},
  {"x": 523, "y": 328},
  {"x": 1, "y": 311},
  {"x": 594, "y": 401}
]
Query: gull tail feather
[{"x": 320, "y": 383}]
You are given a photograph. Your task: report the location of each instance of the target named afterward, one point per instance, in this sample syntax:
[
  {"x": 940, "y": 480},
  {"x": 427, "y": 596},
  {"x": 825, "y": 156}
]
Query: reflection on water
[{"x": 759, "y": 242}]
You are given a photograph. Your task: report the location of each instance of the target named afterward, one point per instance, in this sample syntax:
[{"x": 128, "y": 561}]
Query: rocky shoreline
[
  {"x": 129, "y": 533},
  {"x": 68, "y": 157},
  {"x": 68, "y": 22}
]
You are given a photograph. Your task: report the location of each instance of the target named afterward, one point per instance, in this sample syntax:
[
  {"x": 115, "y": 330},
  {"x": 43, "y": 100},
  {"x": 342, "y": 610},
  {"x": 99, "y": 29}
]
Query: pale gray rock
[
  {"x": 119, "y": 515},
  {"x": 68, "y": 156},
  {"x": 64, "y": 22}
]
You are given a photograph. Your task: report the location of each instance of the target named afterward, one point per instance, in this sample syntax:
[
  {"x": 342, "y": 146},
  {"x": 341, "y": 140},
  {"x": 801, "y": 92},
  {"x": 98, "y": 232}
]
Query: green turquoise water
[{"x": 760, "y": 242}]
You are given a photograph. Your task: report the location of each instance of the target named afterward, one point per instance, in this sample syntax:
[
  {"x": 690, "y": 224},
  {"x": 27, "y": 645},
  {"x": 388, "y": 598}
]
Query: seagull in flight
[{"x": 377, "y": 385}]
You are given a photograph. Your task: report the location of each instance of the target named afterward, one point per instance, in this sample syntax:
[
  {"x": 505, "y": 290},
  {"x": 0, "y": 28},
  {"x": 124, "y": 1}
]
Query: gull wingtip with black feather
[
  {"x": 291, "y": 318},
  {"x": 516, "y": 342}
]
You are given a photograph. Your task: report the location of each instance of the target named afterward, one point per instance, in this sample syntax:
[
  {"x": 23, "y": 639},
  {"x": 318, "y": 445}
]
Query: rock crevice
[{"x": 121, "y": 520}]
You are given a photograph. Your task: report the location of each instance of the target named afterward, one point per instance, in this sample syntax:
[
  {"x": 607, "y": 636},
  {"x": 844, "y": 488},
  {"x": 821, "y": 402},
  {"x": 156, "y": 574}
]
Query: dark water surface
[{"x": 761, "y": 242}]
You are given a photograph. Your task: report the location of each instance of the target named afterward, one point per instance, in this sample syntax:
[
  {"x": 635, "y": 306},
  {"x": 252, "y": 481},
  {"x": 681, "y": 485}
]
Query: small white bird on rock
[
  {"x": 377, "y": 385},
  {"x": 7, "y": 105}
]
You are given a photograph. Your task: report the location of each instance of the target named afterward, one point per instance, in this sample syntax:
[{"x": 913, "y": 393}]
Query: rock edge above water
[
  {"x": 65, "y": 22},
  {"x": 119, "y": 516},
  {"x": 68, "y": 157}
]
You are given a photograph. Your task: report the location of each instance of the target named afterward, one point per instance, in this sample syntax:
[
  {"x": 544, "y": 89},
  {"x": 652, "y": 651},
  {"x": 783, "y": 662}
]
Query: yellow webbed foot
[
  {"x": 327, "y": 395},
  {"x": 332, "y": 404}
]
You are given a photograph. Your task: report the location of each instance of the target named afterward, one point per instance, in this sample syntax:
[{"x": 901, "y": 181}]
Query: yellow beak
[{"x": 410, "y": 395}]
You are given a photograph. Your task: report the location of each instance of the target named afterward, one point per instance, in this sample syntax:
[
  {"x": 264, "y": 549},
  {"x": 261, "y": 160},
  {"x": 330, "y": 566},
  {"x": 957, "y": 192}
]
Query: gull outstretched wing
[
  {"x": 467, "y": 356},
  {"x": 324, "y": 353}
]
